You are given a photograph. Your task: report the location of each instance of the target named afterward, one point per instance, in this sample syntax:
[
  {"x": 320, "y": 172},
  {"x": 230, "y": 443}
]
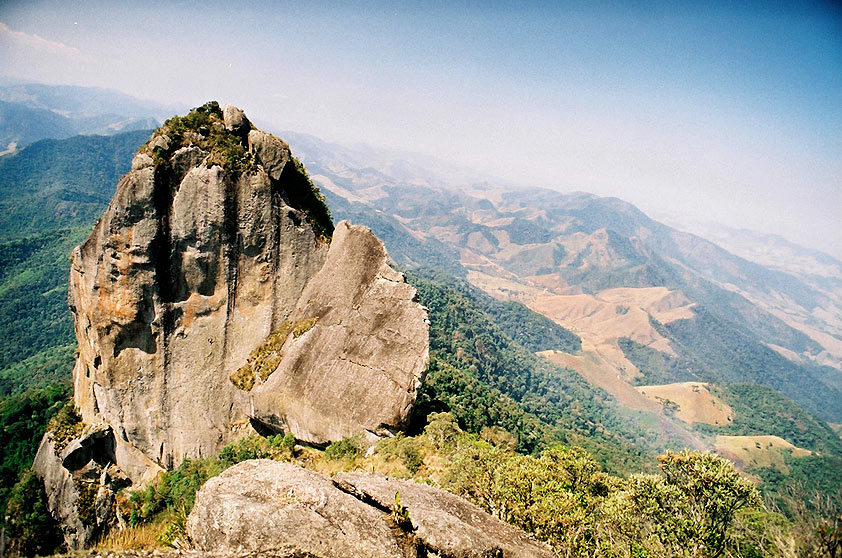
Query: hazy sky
[{"x": 719, "y": 112}]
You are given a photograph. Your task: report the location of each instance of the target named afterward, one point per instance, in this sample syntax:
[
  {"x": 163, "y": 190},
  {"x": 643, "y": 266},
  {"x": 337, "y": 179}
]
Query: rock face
[
  {"x": 210, "y": 299},
  {"x": 278, "y": 509},
  {"x": 259, "y": 506}
]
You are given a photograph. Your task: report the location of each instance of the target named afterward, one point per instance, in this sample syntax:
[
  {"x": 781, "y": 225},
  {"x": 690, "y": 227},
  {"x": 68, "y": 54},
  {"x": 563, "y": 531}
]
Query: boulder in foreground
[{"x": 282, "y": 510}]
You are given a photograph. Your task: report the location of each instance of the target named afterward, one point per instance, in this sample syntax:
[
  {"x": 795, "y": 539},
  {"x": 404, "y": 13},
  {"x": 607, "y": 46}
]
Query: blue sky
[{"x": 730, "y": 112}]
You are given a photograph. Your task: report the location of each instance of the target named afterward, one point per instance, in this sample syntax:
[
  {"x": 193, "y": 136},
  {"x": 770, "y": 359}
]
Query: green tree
[{"x": 691, "y": 506}]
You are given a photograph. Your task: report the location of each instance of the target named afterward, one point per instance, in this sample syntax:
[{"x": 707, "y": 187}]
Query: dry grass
[
  {"x": 695, "y": 402},
  {"x": 758, "y": 451},
  {"x": 142, "y": 537}
]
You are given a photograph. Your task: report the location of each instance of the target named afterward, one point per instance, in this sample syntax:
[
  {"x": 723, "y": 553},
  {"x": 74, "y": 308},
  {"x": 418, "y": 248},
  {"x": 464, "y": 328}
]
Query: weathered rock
[
  {"x": 268, "y": 507},
  {"x": 369, "y": 338},
  {"x": 271, "y": 152},
  {"x": 81, "y": 482},
  {"x": 445, "y": 523},
  {"x": 235, "y": 119},
  {"x": 202, "y": 256}
]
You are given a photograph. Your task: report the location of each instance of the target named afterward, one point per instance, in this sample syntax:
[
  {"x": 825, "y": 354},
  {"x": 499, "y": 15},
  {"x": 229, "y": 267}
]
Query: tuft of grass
[
  {"x": 140, "y": 537},
  {"x": 243, "y": 378},
  {"x": 266, "y": 357}
]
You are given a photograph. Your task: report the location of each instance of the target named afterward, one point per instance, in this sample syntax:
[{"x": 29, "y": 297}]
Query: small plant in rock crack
[{"x": 401, "y": 514}]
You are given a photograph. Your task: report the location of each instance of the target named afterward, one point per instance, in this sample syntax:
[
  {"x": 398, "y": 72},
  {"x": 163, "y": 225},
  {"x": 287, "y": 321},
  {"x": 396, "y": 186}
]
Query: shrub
[
  {"x": 346, "y": 448},
  {"x": 442, "y": 431},
  {"x": 174, "y": 492},
  {"x": 64, "y": 426},
  {"x": 402, "y": 448},
  {"x": 30, "y": 529}
]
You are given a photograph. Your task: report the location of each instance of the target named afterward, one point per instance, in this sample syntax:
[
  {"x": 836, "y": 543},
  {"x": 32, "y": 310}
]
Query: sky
[{"x": 722, "y": 112}]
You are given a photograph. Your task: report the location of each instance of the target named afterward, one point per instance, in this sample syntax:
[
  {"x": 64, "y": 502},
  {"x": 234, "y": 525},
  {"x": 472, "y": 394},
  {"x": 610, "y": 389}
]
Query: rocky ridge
[{"x": 214, "y": 298}]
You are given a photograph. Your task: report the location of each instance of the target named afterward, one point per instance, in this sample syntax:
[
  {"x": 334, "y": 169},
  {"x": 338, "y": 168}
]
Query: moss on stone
[
  {"x": 243, "y": 379},
  {"x": 266, "y": 357},
  {"x": 64, "y": 426},
  {"x": 86, "y": 502},
  {"x": 305, "y": 195}
]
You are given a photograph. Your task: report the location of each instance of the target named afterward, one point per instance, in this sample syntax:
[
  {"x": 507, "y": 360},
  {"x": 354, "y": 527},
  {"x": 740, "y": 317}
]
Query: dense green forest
[
  {"x": 51, "y": 193},
  {"x": 23, "y": 419},
  {"x": 485, "y": 378},
  {"x": 716, "y": 350}
]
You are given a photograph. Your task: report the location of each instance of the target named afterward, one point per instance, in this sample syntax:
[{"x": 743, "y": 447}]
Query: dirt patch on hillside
[
  {"x": 691, "y": 402},
  {"x": 758, "y": 451}
]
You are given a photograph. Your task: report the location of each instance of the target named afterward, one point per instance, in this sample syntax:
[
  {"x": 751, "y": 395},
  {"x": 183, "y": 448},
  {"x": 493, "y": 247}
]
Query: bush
[
  {"x": 64, "y": 426},
  {"x": 442, "y": 431},
  {"x": 402, "y": 448},
  {"x": 346, "y": 448},
  {"x": 174, "y": 493},
  {"x": 30, "y": 529}
]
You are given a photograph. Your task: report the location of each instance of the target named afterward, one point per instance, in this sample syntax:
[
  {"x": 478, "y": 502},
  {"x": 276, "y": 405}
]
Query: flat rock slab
[
  {"x": 280, "y": 509},
  {"x": 445, "y": 523},
  {"x": 274, "y": 508}
]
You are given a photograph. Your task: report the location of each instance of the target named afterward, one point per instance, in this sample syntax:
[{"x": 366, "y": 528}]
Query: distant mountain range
[{"x": 31, "y": 112}]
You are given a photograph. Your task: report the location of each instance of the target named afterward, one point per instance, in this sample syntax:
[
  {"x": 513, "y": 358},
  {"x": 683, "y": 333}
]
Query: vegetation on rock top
[
  {"x": 64, "y": 426},
  {"x": 203, "y": 127}
]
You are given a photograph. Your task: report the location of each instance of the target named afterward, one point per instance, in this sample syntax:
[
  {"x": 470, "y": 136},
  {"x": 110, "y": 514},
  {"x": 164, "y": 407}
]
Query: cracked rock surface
[{"x": 279, "y": 509}]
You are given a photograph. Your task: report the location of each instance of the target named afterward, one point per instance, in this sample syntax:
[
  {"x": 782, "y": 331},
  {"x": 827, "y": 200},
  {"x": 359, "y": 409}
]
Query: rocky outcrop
[
  {"x": 358, "y": 366},
  {"x": 213, "y": 297},
  {"x": 264, "y": 506},
  {"x": 278, "y": 509},
  {"x": 81, "y": 481}
]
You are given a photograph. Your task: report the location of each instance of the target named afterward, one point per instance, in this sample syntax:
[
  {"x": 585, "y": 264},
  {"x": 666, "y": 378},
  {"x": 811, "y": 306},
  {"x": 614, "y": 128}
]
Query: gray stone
[
  {"x": 85, "y": 465},
  {"x": 270, "y": 152},
  {"x": 265, "y": 507},
  {"x": 161, "y": 141},
  {"x": 445, "y": 523},
  {"x": 235, "y": 119},
  {"x": 141, "y": 161},
  {"x": 369, "y": 346}
]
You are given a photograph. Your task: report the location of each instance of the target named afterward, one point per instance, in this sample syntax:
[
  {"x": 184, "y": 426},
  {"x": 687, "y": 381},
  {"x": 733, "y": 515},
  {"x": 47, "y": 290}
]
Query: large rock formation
[
  {"x": 214, "y": 297},
  {"x": 268, "y": 508}
]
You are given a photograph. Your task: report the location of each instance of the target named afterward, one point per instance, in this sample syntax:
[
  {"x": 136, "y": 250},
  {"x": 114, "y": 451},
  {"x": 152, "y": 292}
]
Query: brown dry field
[
  {"x": 758, "y": 451},
  {"x": 695, "y": 402}
]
